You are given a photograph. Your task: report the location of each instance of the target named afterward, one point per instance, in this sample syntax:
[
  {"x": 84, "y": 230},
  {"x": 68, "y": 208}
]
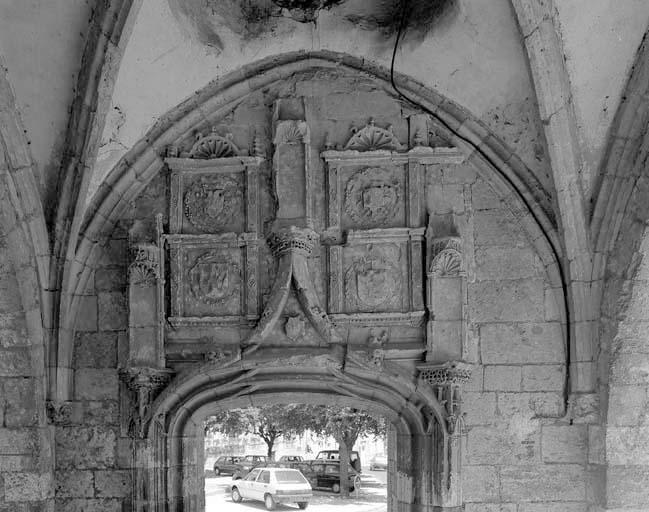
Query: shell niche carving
[
  {"x": 372, "y": 138},
  {"x": 214, "y": 146}
]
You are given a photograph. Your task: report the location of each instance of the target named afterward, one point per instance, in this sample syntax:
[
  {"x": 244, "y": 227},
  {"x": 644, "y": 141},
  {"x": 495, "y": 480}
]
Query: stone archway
[{"x": 426, "y": 451}]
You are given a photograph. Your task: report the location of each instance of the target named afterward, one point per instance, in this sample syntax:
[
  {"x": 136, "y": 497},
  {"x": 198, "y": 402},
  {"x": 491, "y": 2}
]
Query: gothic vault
[{"x": 433, "y": 210}]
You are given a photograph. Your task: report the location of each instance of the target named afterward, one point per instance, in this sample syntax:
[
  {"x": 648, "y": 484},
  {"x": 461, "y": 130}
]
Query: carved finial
[
  {"x": 259, "y": 148},
  {"x": 419, "y": 139},
  {"x": 329, "y": 143}
]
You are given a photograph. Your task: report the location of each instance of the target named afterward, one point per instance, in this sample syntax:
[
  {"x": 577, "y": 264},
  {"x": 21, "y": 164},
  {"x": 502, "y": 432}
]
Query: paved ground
[{"x": 371, "y": 498}]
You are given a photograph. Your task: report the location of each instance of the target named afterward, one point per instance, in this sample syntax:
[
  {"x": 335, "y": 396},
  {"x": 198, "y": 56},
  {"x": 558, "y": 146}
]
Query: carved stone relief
[
  {"x": 373, "y": 279},
  {"x": 373, "y": 196},
  {"x": 213, "y": 278},
  {"x": 144, "y": 269},
  {"x": 212, "y": 202},
  {"x": 372, "y": 138}
]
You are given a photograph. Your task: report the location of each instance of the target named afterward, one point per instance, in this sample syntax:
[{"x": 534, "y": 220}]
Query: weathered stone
[
  {"x": 480, "y": 408},
  {"x": 74, "y": 484},
  {"x": 96, "y": 384},
  {"x": 480, "y": 483},
  {"x": 110, "y": 279},
  {"x": 630, "y": 369},
  {"x": 28, "y": 486},
  {"x": 553, "y": 507},
  {"x": 85, "y": 447},
  {"x": 502, "y": 378},
  {"x": 112, "y": 312},
  {"x": 517, "y": 444},
  {"x": 543, "y": 483},
  {"x": 86, "y": 319},
  {"x": 564, "y": 443},
  {"x": 521, "y": 343},
  {"x": 87, "y": 505},
  {"x": 628, "y": 405},
  {"x": 627, "y": 445},
  {"x": 17, "y": 442},
  {"x": 112, "y": 484},
  {"x": 507, "y": 301},
  {"x": 543, "y": 378},
  {"x": 95, "y": 350},
  {"x": 15, "y": 362},
  {"x": 490, "y": 507},
  {"x": 20, "y": 407},
  {"x": 497, "y": 227},
  {"x": 529, "y": 404},
  {"x": 497, "y": 263},
  {"x": 626, "y": 486}
]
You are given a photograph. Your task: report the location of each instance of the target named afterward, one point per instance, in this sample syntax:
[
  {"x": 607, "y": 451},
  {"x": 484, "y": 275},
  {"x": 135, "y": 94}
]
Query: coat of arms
[
  {"x": 211, "y": 202},
  {"x": 373, "y": 280},
  {"x": 373, "y": 196},
  {"x": 294, "y": 327},
  {"x": 210, "y": 279}
]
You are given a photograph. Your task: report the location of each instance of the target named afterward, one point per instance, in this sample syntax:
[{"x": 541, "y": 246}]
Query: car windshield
[{"x": 289, "y": 477}]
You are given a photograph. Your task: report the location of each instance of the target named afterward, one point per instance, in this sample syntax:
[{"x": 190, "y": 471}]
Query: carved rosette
[
  {"x": 145, "y": 268},
  {"x": 293, "y": 239},
  {"x": 446, "y": 256},
  {"x": 146, "y": 383}
]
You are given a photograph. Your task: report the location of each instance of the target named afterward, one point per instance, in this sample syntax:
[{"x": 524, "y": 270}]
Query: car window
[
  {"x": 252, "y": 475},
  {"x": 288, "y": 476},
  {"x": 318, "y": 467},
  {"x": 331, "y": 470},
  {"x": 264, "y": 477},
  {"x": 220, "y": 459}
]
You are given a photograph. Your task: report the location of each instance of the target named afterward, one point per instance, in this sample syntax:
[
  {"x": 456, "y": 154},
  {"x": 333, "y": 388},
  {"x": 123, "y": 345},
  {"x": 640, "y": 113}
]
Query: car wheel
[
  {"x": 303, "y": 504},
  {"x": 269, "y": 502},
  {"x": 236, "y": 496},
  {"x": 335, "y": 488},
  {"x": 217, "y": 471}
]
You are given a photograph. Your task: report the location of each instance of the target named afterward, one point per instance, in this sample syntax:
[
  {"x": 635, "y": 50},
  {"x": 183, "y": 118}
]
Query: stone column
[
  {"x": 445, "y": 298},
  {"x": 447, "y": 380}
]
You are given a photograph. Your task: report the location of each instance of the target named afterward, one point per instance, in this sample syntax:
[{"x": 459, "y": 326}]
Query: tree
[
  {"x": 345, "y": 425},
  {"x": 269, "y": 422}
]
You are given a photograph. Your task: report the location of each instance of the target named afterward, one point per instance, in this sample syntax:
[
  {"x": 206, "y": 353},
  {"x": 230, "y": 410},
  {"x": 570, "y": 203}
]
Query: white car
[{"x": 272, "y": 486}]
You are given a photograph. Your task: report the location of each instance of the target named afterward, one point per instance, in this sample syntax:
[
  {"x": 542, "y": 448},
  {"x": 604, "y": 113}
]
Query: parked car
[
  {"x": 326, "y": 474},
  {"x": 226, "y": 464},
  {"x": 378, "y": 462},
  {"x": 272, "y": 486},
  {"x": 354, "y": 457},
  {"x": 288, "y": 460},
  {"x": 247, "y": 463}
]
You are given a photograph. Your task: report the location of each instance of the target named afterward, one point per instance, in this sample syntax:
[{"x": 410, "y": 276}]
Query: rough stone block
[
  {"x": 112, "y": 484},
  {"x": 480, "y": 408},
  {"x": 553, "y": 507},
  {"x": 12, "y": 338},
  {"x": 447, "y": 298},
  {"x": 17, "y": 442},
  {"x": 483, "y": 196},
  {"x": 626, "y": 486},
  {"x": 124, "y": 452},
  {"x": 476, "y": 381},
  {"x": 584, "y": 407},
  {"x": 530, "y": 404},
  {"x": 95, "y": 350},
  {"x": 502, "y": 378},
  {"x": 86, "y": 319},
  {"x": 517, "y": 444},
  {"x": 490, "y": 507},
  {"x": 85, "y": 447},
  {"x": 112, "y": 314},
  {"x": 15, "y": 362},
  {"x": 96, "y": 384},
  {"x": 521, "y": 343},
  {"x": 564, "y": 443},
  {"x": 627, "y": 445},
  {"x": 74, "y": 484},
  {"x": 480, "y": 483},
  {"x": 507, "y": 301},
  {"x": 446, "y": 338},
  {"x": 543, "y": 483},
  {"x": 28, "y": 486},
  {"x": 114, "y": 253},
  {"x": 543, "y": 378},
  {"x": 20, "y": 405},
  {"x": 498, "y": 227},
  {"x": 596, "y": 444},
  {"x": 87, "y": 505},
  {"x": 89, "y": 412},
  {"x": 496, "y": 263},
  {"x": 447, "y": 198}
]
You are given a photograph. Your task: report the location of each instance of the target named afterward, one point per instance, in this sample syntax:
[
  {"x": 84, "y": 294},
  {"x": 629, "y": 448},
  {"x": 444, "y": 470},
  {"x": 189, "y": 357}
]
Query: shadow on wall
[{"x": 210, "y": 20}]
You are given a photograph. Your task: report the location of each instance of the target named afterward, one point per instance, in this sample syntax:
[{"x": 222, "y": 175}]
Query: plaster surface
[{"x": 473, "y": 56}]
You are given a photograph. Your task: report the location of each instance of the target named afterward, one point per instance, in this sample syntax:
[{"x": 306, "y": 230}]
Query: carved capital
[
  {"x": 58, "y": 412},
  {"x": 446, "y": 256},
  {"x": 293, "y": 239},
  {"x": 145, "y": 267},
  {"x": 146, "y": 383},
  {"x": 450, "y": 373}
]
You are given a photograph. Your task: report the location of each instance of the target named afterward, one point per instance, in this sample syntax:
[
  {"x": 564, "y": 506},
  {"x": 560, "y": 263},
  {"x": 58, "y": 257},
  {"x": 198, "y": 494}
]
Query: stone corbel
[
  {"x": 146, "y": 383},
  {"x": 58, "y": 412},
  {"x": 447, "y": 380}
]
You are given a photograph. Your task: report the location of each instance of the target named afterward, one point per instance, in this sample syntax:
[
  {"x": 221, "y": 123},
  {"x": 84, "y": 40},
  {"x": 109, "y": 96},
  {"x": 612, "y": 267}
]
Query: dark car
[
  {"x": 247, "y": 463},
  {"x": 326, "y": 475},
  {"x": 226, "y": 464},
  {"x": 354, "y": 457}
]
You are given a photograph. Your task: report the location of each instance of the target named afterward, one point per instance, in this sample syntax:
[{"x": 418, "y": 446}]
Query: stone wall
[{"x": 520, "y": 455}]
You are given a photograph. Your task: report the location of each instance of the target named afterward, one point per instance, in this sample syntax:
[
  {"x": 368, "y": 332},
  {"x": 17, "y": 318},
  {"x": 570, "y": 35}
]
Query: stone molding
[
  {"x": 450, "y": 373},
  {"x": 58, "y": 412},
  {"x": 293, "y": 240}
]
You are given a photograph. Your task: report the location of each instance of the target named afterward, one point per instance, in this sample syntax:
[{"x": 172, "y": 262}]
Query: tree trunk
[{"x": 343, "y": 451}]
